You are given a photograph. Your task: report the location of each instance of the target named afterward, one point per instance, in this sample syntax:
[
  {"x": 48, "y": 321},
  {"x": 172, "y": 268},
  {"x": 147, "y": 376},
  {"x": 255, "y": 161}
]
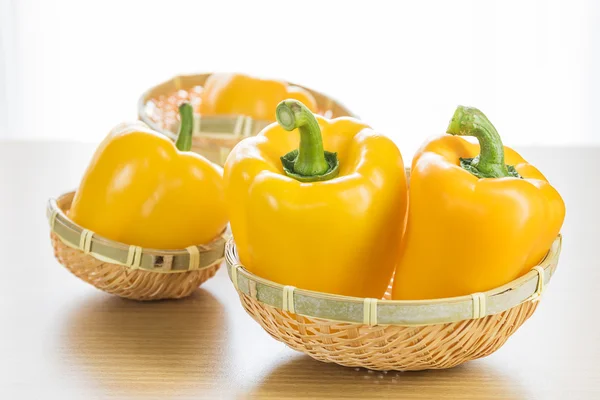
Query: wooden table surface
[{"x": 63, "y": 339}]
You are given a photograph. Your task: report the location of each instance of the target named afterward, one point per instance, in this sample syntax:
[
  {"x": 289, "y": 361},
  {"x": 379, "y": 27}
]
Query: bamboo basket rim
[
  {"x": 183, "y": 81},
  {"x": 164, "y": 261},
  {"x": 348, "y": 309}
]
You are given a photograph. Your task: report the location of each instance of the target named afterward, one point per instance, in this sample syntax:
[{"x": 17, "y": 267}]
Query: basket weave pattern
[
  {"x": 385, "y": 334},
  {"x": 391, "y": 347},
  {"x": 126, "y": 282},
  {"x": 178, "y": 274}
]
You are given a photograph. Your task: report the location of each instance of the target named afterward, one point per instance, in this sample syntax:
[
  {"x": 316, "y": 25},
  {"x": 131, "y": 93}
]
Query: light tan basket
[
  {"x": 127, "y": 271},
  {"x": 391, "y": 334},
  {"x": 214, "y": 136}
]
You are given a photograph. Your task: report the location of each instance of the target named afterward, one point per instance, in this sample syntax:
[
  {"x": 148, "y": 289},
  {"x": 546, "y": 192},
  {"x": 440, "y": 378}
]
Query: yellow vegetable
[
  {"x": 238, "y": 94},
  {"x": 474, "y": 222},
  {"x": 330, "y": 221},
  {"x": 141, "y": 189}
]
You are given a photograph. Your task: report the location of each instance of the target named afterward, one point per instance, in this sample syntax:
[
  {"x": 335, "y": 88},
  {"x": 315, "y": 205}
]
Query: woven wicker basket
[
  {"x": 214, "y": 136},
  {"x": 129, "y": 271},
  {"x": 391, "y": 334}
]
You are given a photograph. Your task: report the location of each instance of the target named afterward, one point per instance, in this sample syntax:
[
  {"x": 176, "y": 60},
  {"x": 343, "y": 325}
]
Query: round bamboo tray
[
  {"x": 383, "y": 334},
  {"x": 127, "y": 271},
  {"x": 214, "y": 136}
]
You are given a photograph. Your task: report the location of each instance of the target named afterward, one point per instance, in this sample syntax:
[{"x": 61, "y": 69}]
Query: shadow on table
[
  {"x": 142, "y": 347},
  {"x": 305, "y": 378}
]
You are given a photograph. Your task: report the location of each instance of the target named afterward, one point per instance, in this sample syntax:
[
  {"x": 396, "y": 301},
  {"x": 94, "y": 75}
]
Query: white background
[{"x": 73, "y": 69}]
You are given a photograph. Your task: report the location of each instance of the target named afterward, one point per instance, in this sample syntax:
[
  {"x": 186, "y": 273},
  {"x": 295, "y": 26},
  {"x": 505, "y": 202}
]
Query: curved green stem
[
  {"x": 469, "y": 121},
  {"x": 310, "y": 162},
  {"x": 186, "y": 125}
]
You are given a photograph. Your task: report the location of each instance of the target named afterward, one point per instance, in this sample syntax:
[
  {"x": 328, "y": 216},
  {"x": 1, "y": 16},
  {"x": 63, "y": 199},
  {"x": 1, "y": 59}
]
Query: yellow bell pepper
[
  {"x": 141, "y": 189},
  {"x": 474, "y": 222},
  {"x": 329, "y": 221},
  {"x": 238, "y": 94}
]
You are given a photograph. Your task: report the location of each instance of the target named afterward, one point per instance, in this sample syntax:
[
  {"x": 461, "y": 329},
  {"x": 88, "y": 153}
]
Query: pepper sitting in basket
[
  {"x": 147, "y": 218},
  {"x": 321, "y": 210},
  {"x": 239, "y": 94},
  {"x": 228, "y": 108},
  {"x": 479, "y": 216}
]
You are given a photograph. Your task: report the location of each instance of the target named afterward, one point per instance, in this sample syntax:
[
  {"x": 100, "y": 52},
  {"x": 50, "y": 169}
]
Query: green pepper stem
[
  {"x": 186, "y": 125},
  {"x": 310, "y": 161},
  {"x": 468, "y": 121}
]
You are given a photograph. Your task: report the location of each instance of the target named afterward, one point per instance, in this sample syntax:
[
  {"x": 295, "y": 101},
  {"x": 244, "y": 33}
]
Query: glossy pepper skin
[
  {"x": 238, "y": 94},
  {"x": 468, "y": 233},
  {"x": 324, "y": 223},
  {"x": 140, "y": 189}
]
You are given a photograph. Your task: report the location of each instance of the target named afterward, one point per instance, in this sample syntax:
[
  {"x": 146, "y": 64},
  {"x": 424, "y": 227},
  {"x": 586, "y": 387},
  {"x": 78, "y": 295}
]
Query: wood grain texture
[{"x": 63, "y": 339}]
